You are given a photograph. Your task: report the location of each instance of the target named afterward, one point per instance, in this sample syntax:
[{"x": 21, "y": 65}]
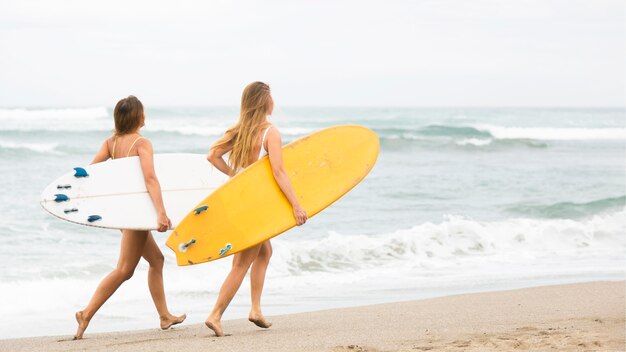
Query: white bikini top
[{"x": 262, "y": 151}]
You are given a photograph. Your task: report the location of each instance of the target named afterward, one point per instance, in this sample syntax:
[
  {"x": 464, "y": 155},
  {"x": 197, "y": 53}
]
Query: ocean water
[{"x": 460, "y": 200}]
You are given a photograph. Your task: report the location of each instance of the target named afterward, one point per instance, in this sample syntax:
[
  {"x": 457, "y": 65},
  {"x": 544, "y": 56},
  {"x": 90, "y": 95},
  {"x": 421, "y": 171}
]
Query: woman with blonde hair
[
  {"x": 250, "y": 139},
  {"x": 126, "y": 141}
]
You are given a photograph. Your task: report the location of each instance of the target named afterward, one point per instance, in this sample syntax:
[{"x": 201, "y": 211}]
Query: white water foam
[
  {"x": 76, "y": 119},
  {"x": 199, "y": 128},
  {"x": 457, "y": 238},
  {"x": 99, "y": 119},
  {"x": 44, "y": 148},
  {"x": 431, "y": 259},
  {"x": 52, "y": 114},
  {"x": 548, "y": 133},
  {"x": 475, "y": 142}
]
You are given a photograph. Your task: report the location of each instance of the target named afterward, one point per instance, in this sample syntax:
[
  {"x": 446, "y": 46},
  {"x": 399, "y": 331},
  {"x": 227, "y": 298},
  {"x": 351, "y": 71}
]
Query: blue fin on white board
[
  {"x": 80, "y": 172},
  {"x": 93, "y": 218},
  {"x": 201, "y": 209},
  {"x": 61, "y": 198},
  {"x": 226, "y": 249}
]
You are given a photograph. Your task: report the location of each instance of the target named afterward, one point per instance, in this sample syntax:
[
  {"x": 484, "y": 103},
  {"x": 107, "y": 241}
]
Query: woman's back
[
  {"x": 123, "y": 146},
  {"x": 259, "y": 148}
]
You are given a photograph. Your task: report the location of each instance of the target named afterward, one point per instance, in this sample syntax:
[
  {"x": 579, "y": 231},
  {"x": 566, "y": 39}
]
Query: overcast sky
[{"x": 323, "y": 52}]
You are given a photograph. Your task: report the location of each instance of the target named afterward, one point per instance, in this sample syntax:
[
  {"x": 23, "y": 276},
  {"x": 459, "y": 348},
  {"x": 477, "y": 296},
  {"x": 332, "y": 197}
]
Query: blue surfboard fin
[
  {"x": 80, "y": 172},
  {"x": 93, "y": 218},
  {"x": 201, "y": 209},
  {"x": 226, "y": 249},
  {"x": 61, "y": 198}
]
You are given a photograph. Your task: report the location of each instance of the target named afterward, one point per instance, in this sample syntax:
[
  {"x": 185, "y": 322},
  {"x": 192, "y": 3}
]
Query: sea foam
[
  {"x": 439, "y": 245},
  {"x": 44, "y": 148},
  {"x": 547, "y": 133},
  {"x": 52, "y": 114}
]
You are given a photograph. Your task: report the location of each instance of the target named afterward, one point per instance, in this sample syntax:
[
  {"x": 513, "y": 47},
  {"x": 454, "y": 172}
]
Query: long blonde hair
[{"x": 256, "y": 102}]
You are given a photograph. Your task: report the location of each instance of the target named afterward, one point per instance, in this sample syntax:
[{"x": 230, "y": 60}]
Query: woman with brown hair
[
  {"x": 251, "y": 138},
  {"x": 127, "y": 141}
]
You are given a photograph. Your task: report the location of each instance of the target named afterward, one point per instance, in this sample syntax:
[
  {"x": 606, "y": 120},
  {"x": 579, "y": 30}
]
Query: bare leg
[
  {"x": 152, "y": 254},
  {"x": 241, "y": 264},
  {"x": 130, "y": 253},
  {"x": 257, "y": 279}
]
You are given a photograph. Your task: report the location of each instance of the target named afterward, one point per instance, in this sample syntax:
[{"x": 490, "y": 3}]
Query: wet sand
[{"x": 576, "y": 317}]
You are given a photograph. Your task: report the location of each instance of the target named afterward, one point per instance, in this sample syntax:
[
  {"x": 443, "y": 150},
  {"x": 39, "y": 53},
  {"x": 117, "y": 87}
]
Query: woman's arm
[
  {"x": 215, "y": 157},
  {"x": 103, "y": 154},
  {"x": 146, "y": 159},
  {"x": 274, "y": 149}
]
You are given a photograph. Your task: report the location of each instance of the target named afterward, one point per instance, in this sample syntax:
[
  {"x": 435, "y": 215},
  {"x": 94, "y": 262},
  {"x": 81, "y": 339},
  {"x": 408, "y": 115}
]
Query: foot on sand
[
  {"x": 169, "y": 320},
  {"x": 259, "y": 320},
  {"x": 82, "y": 325},
  {"x": 214, "y": 325}
]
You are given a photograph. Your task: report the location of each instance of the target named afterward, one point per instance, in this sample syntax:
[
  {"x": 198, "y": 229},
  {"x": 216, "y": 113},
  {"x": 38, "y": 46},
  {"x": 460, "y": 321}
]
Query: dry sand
[{"x": 577, "y": 317}]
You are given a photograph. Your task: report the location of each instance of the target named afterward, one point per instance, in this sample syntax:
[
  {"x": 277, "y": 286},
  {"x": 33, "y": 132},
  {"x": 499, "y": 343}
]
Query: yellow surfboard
[{"x": 250, "y": 208}]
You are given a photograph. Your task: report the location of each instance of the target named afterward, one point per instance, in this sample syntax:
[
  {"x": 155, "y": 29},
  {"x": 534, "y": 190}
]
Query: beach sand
[{"x": 575, "y": 317}]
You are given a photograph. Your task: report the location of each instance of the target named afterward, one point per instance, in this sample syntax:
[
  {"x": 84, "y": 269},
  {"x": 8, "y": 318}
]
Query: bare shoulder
[
  {"x": 274, "y": 140},
  {"x": 273, "y": 132},
  {"x": 143, "y": 141},
  {"x": 108, "y": 143}
]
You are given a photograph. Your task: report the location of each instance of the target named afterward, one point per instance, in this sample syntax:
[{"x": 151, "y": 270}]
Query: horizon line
[{"x": 334, "y": 106}]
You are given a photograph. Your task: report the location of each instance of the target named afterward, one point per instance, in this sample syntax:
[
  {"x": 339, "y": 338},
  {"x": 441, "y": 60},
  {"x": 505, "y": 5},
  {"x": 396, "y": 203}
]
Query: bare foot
[
  {"x": 259, "y": 320},
  {"x": 169, "y": 320},
  {"x": 214, "y": 325},
  {"x": 82, "y": 325}
]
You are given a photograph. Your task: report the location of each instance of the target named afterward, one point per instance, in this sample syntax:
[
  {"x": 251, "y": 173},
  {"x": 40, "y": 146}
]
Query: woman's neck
[{"x": 129, "y": 134}]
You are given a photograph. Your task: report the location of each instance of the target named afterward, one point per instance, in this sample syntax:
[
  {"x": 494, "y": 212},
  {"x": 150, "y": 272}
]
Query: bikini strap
[
  {"x": 113, "y": 150},
  {"x": 132, "y": 145},
  {"x": 264, "y": 135},
  {"x": 263, "y": 141}
]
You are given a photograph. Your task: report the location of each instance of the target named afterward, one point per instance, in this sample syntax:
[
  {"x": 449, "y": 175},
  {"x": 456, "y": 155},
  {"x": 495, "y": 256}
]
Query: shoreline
[{"x": 583, "y": 316}]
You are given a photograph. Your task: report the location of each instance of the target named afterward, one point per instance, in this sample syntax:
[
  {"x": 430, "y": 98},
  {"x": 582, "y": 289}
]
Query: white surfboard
[{"x": 112, "y": 194}]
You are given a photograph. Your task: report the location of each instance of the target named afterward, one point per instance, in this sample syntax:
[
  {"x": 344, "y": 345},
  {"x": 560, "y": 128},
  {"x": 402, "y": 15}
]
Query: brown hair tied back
[{"x": 128, "y": 115}]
